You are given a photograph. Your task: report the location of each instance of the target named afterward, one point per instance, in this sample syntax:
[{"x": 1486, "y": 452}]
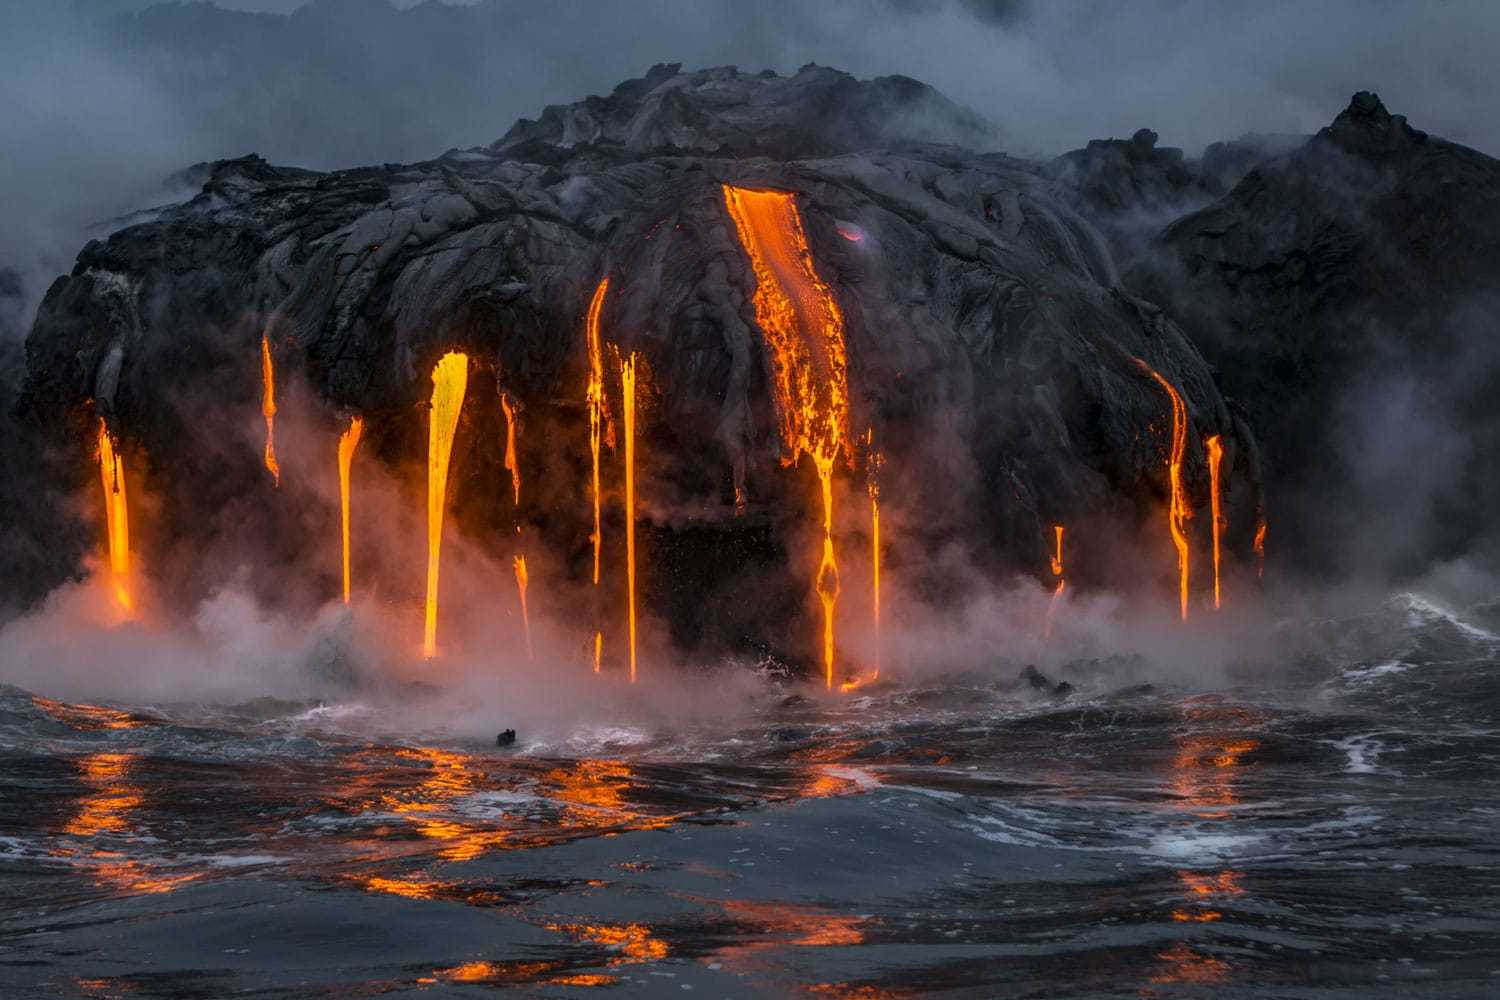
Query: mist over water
[{"x": 248, "y": 785}]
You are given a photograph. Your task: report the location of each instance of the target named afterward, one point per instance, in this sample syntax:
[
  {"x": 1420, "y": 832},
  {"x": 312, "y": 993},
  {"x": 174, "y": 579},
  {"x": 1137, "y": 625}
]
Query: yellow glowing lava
[
  {"x": 627, "y": 393},
  {"x": 1057, "y": 571},
  {"x": 872, "y": 487},
  {"x": 268, "y": 407},
  {"x": 598, "y": 650},
  {"x": 450, "y": 379},
  {"x": 595, "y": 400},
  {"x": 512, "y": 464},
  {"x": 1178, "y": 511},
  {"x": 116, "y": 518},
  {"x": 1260, "y": 546},
  {"x": 521, "y": 580},
  {"x": 803, "y": 331},
  {"x": 348, "y": 441},
  {"x": 1215, "y": 457}
]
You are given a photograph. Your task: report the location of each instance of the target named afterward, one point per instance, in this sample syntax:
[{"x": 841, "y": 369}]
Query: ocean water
[{"x": 1329, "y": 829}]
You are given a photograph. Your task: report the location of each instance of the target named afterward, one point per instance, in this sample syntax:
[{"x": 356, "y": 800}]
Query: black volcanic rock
[
  {"x": 990, "y": 346},
  {"x": 1348, "y": 282}
]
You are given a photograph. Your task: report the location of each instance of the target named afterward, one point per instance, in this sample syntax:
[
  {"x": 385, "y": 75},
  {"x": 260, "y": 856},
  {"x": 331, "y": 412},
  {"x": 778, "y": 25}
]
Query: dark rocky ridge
[
  {"x": 1332, "y": 281},
  {"x": 990, "y": 336}
]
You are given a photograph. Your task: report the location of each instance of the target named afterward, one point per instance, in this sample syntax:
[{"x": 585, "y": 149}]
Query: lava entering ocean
[
  {"x": 627, "y": 393},
  {"x": 521, "y": 581},
  {"x": 803, "y": 331},
  {"x": 594, "y": 399},
  {"x": 873, "y": 462},
  {"x": 1215, "y": 457},
  {"x": 117, "y": 519},
  {"x": 268, "y": 407},
  {"x": 512, "y": 463},
  {"x": 450, "y": 379},
  {"x": 348, "y": 441},
  {"x": 1178, "y": 511},
  {"x": 1057, "y": 571}
]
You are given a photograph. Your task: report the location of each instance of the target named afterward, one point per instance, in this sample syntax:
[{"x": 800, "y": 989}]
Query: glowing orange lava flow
[
  {"x": 521, "y": 581},
  {"x": 450, "y": 379},
  {"x": 595, "y": 401},
  {"x": 1260, "y": 547},
  {"x": 116, "y": 517},
  {"x": 804, "y": 336},
  {"x": 1057, "y": 571},
  {"x": 872, "y": 486},
  {"x": 348, "y": 441},
  {"x": 627, "y": 392},
  {"x": 268, "y": 407},
  {"x": 1215, "y": 456},
  {"x": 598, "y": 650},
  {"x": 512, "y": 465},
  {"x": 1178, "y": 511}
]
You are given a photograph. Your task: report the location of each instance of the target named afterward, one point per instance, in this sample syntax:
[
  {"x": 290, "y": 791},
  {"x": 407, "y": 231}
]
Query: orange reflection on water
[
  {"x": 88, "y": 718},
  {"x": 1203, "y": 890},
  {"x": 1207, "y": 764},
  {"x": 1181, "y": 964},
  {"x": 108, "y": 811},
  {"x": 634, "y": 942},
  {"x": 409, "y": 888},
  {"x": 548, "y": 973}
]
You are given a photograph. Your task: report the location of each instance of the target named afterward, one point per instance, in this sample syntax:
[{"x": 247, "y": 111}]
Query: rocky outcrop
[
  {"x": 991, "y": 347},
  {"x": 1346, "y": 293}
]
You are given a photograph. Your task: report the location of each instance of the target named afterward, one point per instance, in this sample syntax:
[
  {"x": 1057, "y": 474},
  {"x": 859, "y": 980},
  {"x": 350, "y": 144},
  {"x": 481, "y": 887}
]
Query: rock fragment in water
[{"x": 506, "y": 738}]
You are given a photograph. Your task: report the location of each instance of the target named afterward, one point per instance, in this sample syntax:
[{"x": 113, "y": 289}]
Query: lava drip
[
  {"x": 268, "y": 407},
  {"x": 627, "y": 392},
  {"x": 1178, "y": 511},
  {"x": 1215, "y": 456},
  {"x": 512, "y": 464},
  {"x": 450, "y": 379},
  {"x": 873, "y": 461},
  {"x": 348, "y": 441},
  {"x": 1260, "y": 546},
  {"x": 1057, "y": 571},
  {"x": 521, "y": 580},
  {"x": 116, "y": 518},
  {"x": 595, "y": 401},
  {"x": 803, "y": 331}
]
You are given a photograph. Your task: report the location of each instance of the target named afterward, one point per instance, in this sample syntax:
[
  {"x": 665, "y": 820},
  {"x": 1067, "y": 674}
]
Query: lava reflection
[
  {"x": 108, "y": 811},
  {"x": 632, "y": 942}
]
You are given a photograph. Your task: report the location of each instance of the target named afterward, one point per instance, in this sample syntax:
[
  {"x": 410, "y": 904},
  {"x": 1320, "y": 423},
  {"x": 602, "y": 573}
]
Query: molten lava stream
[
  {"x": 450, "y": 378},
  {"x": 1178, "y": 510},
  {"x": 521, "y": 580},
  {"x": 872, "y": 486},
  {"x": 1057, "y": 571},
  {"x": 1260, "y": 546},
  {"x": 116, "y": 518},
  {"x": 348, "y": 441},
  {"x": 803, "y": 331},
  {"x": 595, "y": 401},
  {"x": 268, "y": 407},
  {"x": 512, "y": 464},
  {"x": 627, "y": 392},
  {"x": 1215, "y": 457}
]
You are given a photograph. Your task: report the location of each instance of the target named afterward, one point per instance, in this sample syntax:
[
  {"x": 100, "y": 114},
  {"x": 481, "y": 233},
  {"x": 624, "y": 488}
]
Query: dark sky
[{"x": 94, "y": 114}]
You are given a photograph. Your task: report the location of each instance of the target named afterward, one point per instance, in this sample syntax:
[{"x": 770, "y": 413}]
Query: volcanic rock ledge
[{"x": 991, "y": 345}]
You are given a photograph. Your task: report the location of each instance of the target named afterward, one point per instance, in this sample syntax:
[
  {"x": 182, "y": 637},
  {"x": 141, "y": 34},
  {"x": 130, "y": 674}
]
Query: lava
[
  {"x": 512, "y": 464},
  {"x": 348, "y": 441},
  {"x": 1260, "y": 546},
  {"x": 450, "y": 378},
  {"x": 598, "y": 650},
  {"x": 595, "y": 401},
  {"x": 1057, "y": 571},
  {"x": 1178, "y": 510},
  {"x": 627, "y": 392},
  {"x": 116, "y": 517},
  {"x": 268, "y": 407},
  {"x": 521, "y": 580},
  {"x": 872, "y": 487},
  {"x": 1215, "y": 456},
  {"x": 803, "y": 331}
]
